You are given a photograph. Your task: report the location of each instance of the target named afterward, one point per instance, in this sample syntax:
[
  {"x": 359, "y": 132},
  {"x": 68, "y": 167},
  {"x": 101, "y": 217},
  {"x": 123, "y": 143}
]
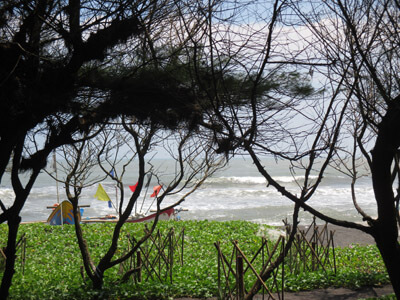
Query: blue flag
[{"x": 109, "y": 204}]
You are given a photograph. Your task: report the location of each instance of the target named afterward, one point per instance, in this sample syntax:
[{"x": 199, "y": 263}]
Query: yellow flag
[{"x": 101, "y": 194}]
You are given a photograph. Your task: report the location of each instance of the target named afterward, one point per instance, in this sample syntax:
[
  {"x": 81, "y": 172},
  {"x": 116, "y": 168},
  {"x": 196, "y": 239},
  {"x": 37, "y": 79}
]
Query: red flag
[
  {"x": 133, "y": 187},
  {"x": 156, "y": 190}
]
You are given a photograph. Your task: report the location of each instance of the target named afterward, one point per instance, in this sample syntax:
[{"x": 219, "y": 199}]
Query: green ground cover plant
[
  {"x": 386, "y": 297},
  {"x": 53, "y": 262}
]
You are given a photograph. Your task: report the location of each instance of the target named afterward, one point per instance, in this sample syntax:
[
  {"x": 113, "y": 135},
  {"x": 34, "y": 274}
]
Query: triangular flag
[
  {"x": 133, "y": 187},
  {"x": 112, "y": 173},
  {"x": 101, "y": 194},
  {"x": 156, "y": 190}
]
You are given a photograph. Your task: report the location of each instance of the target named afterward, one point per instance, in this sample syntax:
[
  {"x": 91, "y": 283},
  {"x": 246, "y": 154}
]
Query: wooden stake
[
  {"x": 139, "y": 266},
  {"x": 240, "y": 277}
]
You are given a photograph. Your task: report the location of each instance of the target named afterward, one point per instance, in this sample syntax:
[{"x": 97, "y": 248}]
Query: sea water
[{"x": 238, "y": 192}]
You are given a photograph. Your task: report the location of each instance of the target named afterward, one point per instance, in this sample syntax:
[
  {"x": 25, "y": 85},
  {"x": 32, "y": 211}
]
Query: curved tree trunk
[
  {"x": 13, "y": 225},
  {"x": 280, "y": 259},
  {"x": 385, "y": 230},
  {"x": 390, "y": 251}
]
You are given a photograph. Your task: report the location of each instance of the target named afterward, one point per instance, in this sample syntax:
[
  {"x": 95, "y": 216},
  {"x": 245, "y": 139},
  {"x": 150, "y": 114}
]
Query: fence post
[
  {"x": 333, "y": 251},
  {"x": 183, "y": 240},
  {"x": 313, "y": 257},
  {"x": 139, "y": 266},
  {"x": 283, "y": 267},
  {"x": 263, "y": 241},
  {"x": 219, "y": 271},
  {"x": 23, "y": 254},
  {"x": 171, "y": 252},
  {"x": 240, "y": 276}
]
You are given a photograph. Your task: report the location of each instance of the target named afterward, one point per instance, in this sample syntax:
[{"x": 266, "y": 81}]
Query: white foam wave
[
  {"x": 234, "y": 195},
  {"x": 254, "y": 180},
  {"x": 288, "y": 179},
  {"x": 237, "y": 180},
  {"x": 6, "y": 194}
]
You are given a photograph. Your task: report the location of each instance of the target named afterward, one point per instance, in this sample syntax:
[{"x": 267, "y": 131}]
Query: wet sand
[{"x": 344, "y": 237}]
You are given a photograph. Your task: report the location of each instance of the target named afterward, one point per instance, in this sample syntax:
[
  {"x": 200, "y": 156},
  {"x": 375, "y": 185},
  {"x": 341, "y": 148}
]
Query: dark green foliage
[{"x": 156, "y": 96}]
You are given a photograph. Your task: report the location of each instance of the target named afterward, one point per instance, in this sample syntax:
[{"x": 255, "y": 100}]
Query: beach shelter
[{"x": 63, "y": 214}]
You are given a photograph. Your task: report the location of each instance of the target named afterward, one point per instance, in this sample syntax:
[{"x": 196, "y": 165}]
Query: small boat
[
  {"x": 62, "y": 214},
  {"x": 164, "y": 215}
]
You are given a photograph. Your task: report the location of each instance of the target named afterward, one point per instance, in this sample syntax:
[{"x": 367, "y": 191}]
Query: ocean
[{"x": 238, "y": 192}]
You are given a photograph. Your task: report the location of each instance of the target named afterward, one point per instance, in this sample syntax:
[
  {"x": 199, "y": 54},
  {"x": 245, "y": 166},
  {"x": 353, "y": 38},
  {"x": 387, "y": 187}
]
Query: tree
[
  {"x": 55, "y": 53},
  {"x": 362, "y": 39},
  {"x": 350, "y": 50},
  {"x": 254, "y": 97},
  {"x": 193, "y": 166}
]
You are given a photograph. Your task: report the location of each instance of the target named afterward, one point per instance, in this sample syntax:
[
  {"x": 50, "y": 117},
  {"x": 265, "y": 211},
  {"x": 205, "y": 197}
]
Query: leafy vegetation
[
  {"x": 386, "y": 297},
  {"x": 53, "y": 262}
]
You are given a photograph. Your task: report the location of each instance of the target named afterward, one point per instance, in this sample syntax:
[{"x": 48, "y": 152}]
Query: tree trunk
[
  {"x": 13, "y": 225},
  {"x": 385, "y": 230},
  {"x": 281, "y": 258},
  {"x": 91, "y": 270},
  {"x": 390, "y": 251},
  {"x": 97, "y": 279}
]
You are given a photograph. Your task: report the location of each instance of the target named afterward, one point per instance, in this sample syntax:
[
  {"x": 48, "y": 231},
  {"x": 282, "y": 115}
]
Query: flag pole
[
  {"x": 155, "y": 197},
  {"x": 58, "y": 193},
  {"x": 147, "y": 188},
  {"x": 116, "y": 200},
  {"x": 113, "y": 174},
  {"x": 55, "y": 169}
]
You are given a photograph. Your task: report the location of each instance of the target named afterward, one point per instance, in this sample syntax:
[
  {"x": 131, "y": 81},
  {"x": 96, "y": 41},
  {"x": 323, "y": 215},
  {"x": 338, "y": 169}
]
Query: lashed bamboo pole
[
  {"x": 254, "y": 271},
  {"x": 240, "y": 277},
  {"x": 139, "y": 266},
  {"x": 171, "y": 252},
  {"x": 220, "y": 254},
  {"x": 313, "y": 251}
]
